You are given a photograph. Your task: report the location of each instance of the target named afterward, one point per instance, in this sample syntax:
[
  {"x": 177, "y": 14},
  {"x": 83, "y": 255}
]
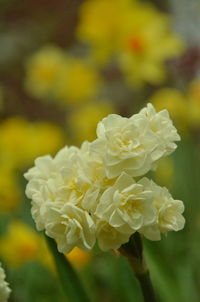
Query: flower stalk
[
  {"x": 72, "y": 287},
  {"x": 133, "y": 251}
]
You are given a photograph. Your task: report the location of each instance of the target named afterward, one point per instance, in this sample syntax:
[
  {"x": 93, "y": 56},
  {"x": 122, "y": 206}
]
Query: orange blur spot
[
  {"x": 136, "y": 44},
  {"x": 28, "y": 251}
]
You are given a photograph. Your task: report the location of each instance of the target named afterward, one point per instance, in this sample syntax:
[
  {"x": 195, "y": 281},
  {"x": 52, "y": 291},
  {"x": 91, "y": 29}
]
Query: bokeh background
[{"x": 64, "y": 65}]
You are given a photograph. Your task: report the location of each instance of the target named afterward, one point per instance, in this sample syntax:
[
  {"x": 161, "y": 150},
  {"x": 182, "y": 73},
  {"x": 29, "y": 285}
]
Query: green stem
[
  {"x": 133, "y": 251},
  {"x": 147, "y": 287},
  {"x": 70, "y": 282}
]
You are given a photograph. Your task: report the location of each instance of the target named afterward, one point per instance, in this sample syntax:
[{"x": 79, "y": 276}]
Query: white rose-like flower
[
  {"x": 168, "y": 212},
  {"x": 58, "y": 187},
  {"x": 71, "y": 227},
  {"x": 126, "y": 205},
  {"x": 4, "y": 288},
  {"x": 133, "y": 145}
]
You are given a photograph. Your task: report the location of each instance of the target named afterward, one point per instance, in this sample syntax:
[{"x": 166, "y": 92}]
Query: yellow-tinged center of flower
[
  {"x": 72, "y": 185},
  {"x": 124, "y": 142},
  {"x": 99, "y": 177},
  {"x": 107, "y": 181},
  {"x": 136, "y": 44},
  {"x": 131, "y": 205},
  {"x": 79, "y": 188},
  {"x": 134, "y": 206}
]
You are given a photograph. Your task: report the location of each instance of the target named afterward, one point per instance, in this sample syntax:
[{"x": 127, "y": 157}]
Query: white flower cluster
[
  {"x": 4, "y": 288},
  {"x": 89, "y": 193}
]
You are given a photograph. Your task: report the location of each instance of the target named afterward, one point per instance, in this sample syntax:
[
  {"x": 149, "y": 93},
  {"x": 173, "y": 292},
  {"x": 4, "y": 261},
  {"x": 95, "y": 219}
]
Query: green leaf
[
  {"x": 165, "y": 283},
  {"x": 69, "y": 280}
]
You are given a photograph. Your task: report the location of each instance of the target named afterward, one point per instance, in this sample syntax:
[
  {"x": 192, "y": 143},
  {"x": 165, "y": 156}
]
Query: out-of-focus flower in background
[
  {"x": 100, "y": 26},
  {"x": 44, "y": 136},
  {"x": 10, "y": 193},
  {"x": 20, "y": 244},
  {"x": 42, "y": 69},
  {"x": 78, "y": 81},
  {"x": 52, "y": 74},
  {"x": 175, "y": 102},
  {"x": 79, "y": 258},
  {"x": 136, "y": 35},
  {"x": 184, "y": 106},
  {"x": 83, "y": 121},
  {"x": 21, "y": 140},
  {"x": 148, "y": 45}
]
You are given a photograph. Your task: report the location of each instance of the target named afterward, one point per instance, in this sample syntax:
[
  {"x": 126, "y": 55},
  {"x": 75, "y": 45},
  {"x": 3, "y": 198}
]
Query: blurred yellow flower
[
  {"x": 194, "y": 114},
  {"x": 10, "y": 193},
  {"x": 21, "y": 141},
  {"x": 137, "y": 35},
  {"x": 53, "y": 74},
  {"x": 42, "y": 69},
  {"x": 20, "y": 244},
  {"x": 175, "y": 102},
  {"x": 147, "y": 42},
  {"x": 83, "y": 121},
  {"x": 77, "y": 81},
  {"x": 44, "y": 137},
  {"x": 13, "y": 137},
  {"x": 184, "y": 107},
  {"x": 100, "y": 25},
  {"x": 79, "y": 258}
]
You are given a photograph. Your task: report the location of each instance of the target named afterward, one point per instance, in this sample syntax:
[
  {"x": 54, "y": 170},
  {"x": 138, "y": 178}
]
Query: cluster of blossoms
[
  {"x": 98, "y": 192},
  {"x": 4, "y": 288}
]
